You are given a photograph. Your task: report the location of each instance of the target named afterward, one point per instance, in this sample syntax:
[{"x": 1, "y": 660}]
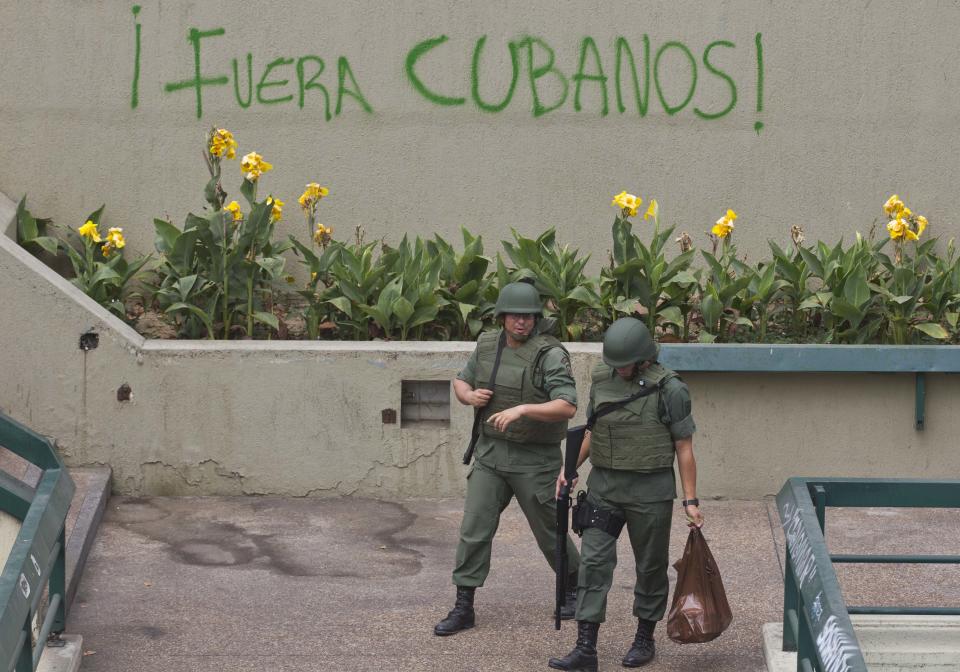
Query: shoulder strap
[
  {"x": 609, "y": 408},
  {"x": 501, "y": 342}
]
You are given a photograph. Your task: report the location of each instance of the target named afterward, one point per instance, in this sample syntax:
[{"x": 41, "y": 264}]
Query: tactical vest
[
  {"x": 631, "y": 438},
  {"x": 516, "y": 384}
]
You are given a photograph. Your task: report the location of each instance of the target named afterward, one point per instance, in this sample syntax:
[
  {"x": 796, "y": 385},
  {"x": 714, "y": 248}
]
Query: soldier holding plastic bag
[{"x": 641, "y": 419}]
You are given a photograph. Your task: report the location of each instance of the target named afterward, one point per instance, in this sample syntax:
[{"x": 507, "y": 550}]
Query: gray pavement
[{"x": 353, "y": 584}]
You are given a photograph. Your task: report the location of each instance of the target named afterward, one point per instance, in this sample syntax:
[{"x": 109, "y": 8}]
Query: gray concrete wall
[
  {"x": 859, "y": 100},
  {"x": 305, "y": 418}
]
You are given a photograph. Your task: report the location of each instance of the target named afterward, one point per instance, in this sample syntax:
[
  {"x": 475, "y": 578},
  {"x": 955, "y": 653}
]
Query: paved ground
[{"x": 238, "y": 584}]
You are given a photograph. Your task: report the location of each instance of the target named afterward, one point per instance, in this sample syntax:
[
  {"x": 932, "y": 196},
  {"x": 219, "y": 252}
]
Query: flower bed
[{"x": 223, "y": 275}]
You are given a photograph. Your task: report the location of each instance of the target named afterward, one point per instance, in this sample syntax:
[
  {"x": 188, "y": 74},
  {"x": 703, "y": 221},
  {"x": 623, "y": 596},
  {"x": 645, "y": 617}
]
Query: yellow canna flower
[
  {"x": 313, "y": 276},
  {"x": 222, "y": 143},
  {"x": 894, "y": 206},
  {"x": 253, "y": 166},
  {"x": 323, "y": 234},
  {"x": 234, "y": 208},
  {"x": 89, "y": 231},
  {"x": 115, "y": 238},
  {"x": 313, "y": 193},
  {"x": 921, "y": 225},
  {"x": 653, "y": 210},
  {"x": 897, "y": 228},
  {"x": 724, "y": 226},
  {"x": 277, "y": 212},
  {"x": 628, "y": 203}
]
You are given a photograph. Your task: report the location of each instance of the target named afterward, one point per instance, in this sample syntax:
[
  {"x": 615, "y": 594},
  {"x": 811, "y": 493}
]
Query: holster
[{"x": 587, "y": 515}]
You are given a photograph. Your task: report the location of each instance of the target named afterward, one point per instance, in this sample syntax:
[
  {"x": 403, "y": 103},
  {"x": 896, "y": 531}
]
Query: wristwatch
[{"x": 691, "y": 502}]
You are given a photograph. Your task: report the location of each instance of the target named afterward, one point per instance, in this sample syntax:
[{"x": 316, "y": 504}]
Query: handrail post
[
  {"x": 820, "y": 501},
  {"x": 790, "y": 604},
  {"x": 58, "y": 584}
]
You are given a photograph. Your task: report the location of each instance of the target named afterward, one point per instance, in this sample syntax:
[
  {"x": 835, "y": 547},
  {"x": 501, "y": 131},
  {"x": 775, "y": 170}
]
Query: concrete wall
[
  {"x": 859, "y": 100},
  {"x": 305, "y": 418}
]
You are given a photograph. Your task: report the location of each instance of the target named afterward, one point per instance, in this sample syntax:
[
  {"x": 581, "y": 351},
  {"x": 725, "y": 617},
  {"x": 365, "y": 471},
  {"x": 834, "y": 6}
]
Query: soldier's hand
[
  {"x": 561, "y": 481},
  {"x": 694, "y": 517},
  {"x": 504, "y": 419},
  {"x": 480, "y": 397}
]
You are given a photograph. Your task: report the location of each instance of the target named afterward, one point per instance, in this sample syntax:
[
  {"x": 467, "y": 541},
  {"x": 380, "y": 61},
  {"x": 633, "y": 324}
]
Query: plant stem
[{"x": 250, "y": 304}]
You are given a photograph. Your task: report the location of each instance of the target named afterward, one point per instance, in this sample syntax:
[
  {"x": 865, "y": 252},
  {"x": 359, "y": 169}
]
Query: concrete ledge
[
  {"x": 64, "y": 658},
  {"x": 889, "y": 643},
  {"x": 95, "y": 485}
]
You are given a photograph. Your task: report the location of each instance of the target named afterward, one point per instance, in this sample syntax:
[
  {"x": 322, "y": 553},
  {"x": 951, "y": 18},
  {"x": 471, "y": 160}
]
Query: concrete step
[{"x": 889, "y": 644}]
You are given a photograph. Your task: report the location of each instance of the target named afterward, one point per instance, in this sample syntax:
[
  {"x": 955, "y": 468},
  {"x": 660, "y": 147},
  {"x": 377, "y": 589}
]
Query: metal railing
[
  {"x": 37, "y": 560},
  {"x": 816, "y": 620}
]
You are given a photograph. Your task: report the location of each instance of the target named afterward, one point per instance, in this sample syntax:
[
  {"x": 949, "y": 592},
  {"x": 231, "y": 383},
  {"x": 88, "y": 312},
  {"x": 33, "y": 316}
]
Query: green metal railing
[
  {"x": 816, "y": 620},
  {"x": 37, "y": 559}
]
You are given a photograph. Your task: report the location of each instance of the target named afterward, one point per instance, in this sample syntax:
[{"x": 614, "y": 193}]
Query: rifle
[
  {"x": 478, "y": 413},
  {"x": 575, "y": 436}
]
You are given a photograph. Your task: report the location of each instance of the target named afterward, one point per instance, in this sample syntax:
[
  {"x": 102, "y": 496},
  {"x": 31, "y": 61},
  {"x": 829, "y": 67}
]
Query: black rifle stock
[
  {"x": 474, "y": 435},
  {"x": 479, "y": 412},
  {"x": 575, "y": 437}
]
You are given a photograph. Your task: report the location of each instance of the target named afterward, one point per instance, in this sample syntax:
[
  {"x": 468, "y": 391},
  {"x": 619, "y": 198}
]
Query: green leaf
[
  {"x": 95, "y": 216},
  {"x": 855, "y": 289},
  {"x": 51, "y": 245},
  {"x": 248, "y": 189},
  {"x": 671, "y": 315},
  {"x": 342, "y": 304},
  {"x": 104, "y": 274},
  {"x": 167, "y": 235},
  {"x": 180, "y": 307},
  {"x": 268, "y": 319},
  {"x": 707, "y": 337},
  {"x": 272, "y": 266},
  {"x": 27, "y": 228},
  {"x": 847, "y": 311},
  {"x": 185, "y": 285},
  {"x": 403, "y": 309},
  {"x": 932, "y": 329}
]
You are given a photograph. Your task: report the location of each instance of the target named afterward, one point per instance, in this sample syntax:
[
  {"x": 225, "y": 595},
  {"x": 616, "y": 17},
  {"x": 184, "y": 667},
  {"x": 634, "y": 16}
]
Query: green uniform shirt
[
  {"x": 617, "y": 485},
  {"x": 557, "y": 381}
]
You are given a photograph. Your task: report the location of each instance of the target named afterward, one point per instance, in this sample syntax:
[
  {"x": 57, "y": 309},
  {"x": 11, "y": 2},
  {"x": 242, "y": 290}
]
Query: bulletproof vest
[
  {"x": 519, "y": 381},
  {"x": 634, "y": 437}
]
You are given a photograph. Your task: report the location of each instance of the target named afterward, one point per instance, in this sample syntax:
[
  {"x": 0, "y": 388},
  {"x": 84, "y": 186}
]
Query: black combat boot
[
  {"x": 461, "y": 617},
  {"x": 643, "y": 647},
  {"x": 583, "y": 658},
  {"x": 569, "y": 608}
]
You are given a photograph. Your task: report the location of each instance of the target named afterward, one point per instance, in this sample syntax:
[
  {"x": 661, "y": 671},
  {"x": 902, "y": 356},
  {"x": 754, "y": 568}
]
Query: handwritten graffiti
[
  {"x": 816, "y": 609},
  {"x": 836, "y": 646},
  {"x": 624, "y": 81},
  {"x": 804, "y": 564},
  {"x": 541, "y": 63}
]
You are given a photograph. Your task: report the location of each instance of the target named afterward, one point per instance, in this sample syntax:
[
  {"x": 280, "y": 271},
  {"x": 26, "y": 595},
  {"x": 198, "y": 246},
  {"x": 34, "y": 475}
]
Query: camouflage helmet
[
  {"x": 627, "y": 342},
  {"x": 518, "y": 297}
]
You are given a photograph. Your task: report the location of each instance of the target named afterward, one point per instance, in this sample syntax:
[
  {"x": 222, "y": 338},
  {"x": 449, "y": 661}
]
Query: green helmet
[
  {"x": 518, "y": 297},
  {"x": 628, "y": 341}
]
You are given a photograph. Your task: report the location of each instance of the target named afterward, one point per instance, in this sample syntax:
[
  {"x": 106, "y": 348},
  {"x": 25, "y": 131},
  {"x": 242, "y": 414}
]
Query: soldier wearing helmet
[
  {"x": 521, "y": 383},
  {"x": 631, "y": 447}
]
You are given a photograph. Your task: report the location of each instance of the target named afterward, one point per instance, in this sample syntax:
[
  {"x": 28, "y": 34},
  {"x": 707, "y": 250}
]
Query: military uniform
[
  {"x": 521, "y": 462},
  {"x": 632, "y": 447},
  {"x": 632, "y": 454}
]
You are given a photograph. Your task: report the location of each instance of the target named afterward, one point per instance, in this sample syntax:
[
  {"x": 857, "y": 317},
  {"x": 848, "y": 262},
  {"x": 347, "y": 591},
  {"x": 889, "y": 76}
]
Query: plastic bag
[{"x": 699, "y": 611}]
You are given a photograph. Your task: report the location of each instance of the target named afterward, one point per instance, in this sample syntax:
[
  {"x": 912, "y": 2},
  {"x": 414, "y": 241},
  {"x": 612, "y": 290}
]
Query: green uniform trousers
[
  {"x": 648, "y": 524},
  {"x": 489, "y": 491}
]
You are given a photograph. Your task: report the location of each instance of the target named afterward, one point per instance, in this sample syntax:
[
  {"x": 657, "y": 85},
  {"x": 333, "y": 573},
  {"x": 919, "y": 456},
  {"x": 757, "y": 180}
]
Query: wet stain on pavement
[{"x": 290, "y": 537}]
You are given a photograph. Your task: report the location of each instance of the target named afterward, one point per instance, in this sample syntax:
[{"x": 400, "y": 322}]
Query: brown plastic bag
[{"x": 699, "y": 611}]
